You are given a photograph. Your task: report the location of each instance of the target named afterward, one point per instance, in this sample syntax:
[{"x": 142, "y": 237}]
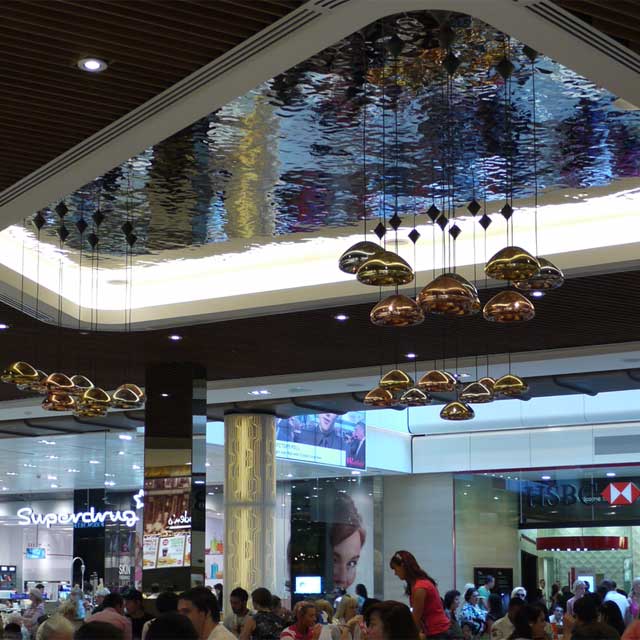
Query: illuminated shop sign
[
  {"x": 26, "y": 516},
  {"x": 589, "y": 500},
  {"x": 183, "y": 521}
]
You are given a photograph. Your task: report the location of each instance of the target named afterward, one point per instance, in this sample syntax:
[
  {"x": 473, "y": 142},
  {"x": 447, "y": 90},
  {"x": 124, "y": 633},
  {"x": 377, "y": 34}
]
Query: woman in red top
[{"x": 424, "y": 598}]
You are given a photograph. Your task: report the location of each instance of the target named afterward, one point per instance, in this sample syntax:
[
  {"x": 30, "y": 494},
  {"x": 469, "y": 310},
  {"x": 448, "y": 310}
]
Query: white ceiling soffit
[{"x": 294, "y": 38}]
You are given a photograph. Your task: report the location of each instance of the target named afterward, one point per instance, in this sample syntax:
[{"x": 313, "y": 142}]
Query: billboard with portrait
[{"x": 324, "y": 438}]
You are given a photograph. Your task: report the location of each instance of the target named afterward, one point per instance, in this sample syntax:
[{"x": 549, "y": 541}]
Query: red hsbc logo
[{"x": 621, "y": 493}]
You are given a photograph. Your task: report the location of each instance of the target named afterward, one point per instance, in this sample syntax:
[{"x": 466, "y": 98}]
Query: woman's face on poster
[{"x": 346, "y": 555}]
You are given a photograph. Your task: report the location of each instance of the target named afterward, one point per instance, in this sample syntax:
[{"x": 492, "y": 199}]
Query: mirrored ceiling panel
[{"x": 287, "y": 157}]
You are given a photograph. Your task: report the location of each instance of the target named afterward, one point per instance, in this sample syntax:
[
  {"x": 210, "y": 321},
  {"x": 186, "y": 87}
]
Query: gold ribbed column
[{"x": 250, "y": 502}]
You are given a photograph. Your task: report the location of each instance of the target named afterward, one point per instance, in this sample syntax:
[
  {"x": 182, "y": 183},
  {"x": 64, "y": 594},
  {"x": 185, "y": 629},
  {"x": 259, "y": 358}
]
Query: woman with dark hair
[
  {"x": 529, "y": 624},
  {"x": 451, "y": 605},
  {"x": 610, "y": 614},
  {"x": 347, "y": 537},
  {"x": 495, "y": 612},
  {"x": 172, "y": 625},
  {"x": 391, "y": 621},
  {"x": 428, "y": 612},
  {"x": 471, "y": 613}
]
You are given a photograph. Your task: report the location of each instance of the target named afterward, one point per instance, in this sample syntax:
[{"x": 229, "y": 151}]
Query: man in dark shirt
[
  {"x": 325, "y": 433},
  {"x": 134, "y": 605}
]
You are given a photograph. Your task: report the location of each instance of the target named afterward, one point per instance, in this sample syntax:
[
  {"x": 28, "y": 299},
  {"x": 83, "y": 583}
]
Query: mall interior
[{"x": 287, "y": 286}]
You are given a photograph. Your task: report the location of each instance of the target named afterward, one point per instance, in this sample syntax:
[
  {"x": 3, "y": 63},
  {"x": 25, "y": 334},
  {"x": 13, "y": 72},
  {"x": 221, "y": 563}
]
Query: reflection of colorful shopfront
[{"x": 554, "y": 526}]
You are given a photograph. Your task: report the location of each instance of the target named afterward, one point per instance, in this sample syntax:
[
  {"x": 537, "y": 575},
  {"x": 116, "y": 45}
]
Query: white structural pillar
[{"x": 250, "y": 502}]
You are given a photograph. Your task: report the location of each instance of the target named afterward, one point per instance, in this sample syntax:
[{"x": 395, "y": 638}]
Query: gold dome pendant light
[
  {"x": 488, "y": 381},
  {"x": 451, "y": 295},
  {"x": 20, "y": 373},
  {"x": 59, "y": 382},
  {"x": 94, "y": 401},
  {"x": 547, "y": 278},
  {"x": 510, "y": 386},
  {"x": 476, "y": 393},
  {"x": 437, "y": 381},
  {"x": 127, "y": 396},
  {"x": 457, "y": 410},
  {"x": 512, "y": 263},
  {"x": 379, "y": 397},
  {"x": 39, "y": 386},
  {"x": 80, "y": 385},
  {"x": 415, "y": 397},
  {"x": 396, "y": 380},
  {"x": 59, "y": 401},
  {"x": 509, "y": 306},
  {"x": 397, "y": 310},
  {"x": 355, "y": 256}
]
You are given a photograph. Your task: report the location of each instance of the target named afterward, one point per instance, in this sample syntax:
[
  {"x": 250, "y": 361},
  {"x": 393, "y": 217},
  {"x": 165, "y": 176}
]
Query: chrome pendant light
[{"x": 355, "y": 256}]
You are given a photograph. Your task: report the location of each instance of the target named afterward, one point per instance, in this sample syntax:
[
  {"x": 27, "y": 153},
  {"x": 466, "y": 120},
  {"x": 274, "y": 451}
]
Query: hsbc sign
[
  {"x": 619, "y": 493},
  {"x": 590, "y": 500}
]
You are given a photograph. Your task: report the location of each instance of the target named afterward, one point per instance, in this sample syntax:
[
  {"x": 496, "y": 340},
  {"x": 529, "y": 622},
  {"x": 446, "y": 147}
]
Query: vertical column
[
  {"x": 174, "y": 476},
  {"x": 250, "y": 501}
]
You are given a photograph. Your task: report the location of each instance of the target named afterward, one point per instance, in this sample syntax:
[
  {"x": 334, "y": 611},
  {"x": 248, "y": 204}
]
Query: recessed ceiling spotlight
[
  {"x": 52, "y": 478},
  {"x": 109, "y": 483},
  {"x": 3, "y": 326},
  {"x": 537, "y": 294},
  {"x": 92, "y": 65},
  {"x": 164, "y": 395},
  {"x": 175, "y": 337},
  {"x": 11, "y": 473},
  {"x": 54, "y": 486},
  {"x": 611, "y": 474},
  {"x": 94, "y": 461},
  {"x": 355, "y": 472},
  {"x": 289, "y": 475},
  {"x": 120, "y": 453},
  {"x": 341, "y": 317},
  {"x": 260, "y": 392},
  {"x": 410, "y": 355},
  {"x": 198, "y": 482},
  {"x": 52, "y": 457},
  {"x": 545, "y": 477},
  {"x": 124, "y": 436},
  {"x": 135, "y": 467},
  {"x": 50, "y": 442},
  {"x": 73, "y": 470}
]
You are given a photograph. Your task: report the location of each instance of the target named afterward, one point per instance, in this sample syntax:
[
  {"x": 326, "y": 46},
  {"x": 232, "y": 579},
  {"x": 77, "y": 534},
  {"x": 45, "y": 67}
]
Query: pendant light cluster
[
  {"x": 449, "y": 294},
  {"x": 72, "y": 393},
  {"x": 75, "y": 393}
]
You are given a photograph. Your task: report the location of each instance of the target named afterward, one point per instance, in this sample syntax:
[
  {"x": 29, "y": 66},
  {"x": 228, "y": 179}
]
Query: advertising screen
[
  {"x": 167, "y": 531},
  {"x": 324, "y": 438},
  {"x": 36, "y": 553},
  {"x": 308, "y": 584}
]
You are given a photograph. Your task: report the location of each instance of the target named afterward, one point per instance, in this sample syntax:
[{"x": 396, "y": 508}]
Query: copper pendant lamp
[
  {"x": 457, "y": 410},
  {"x": 414, "y": 397},
  {"x": 510, "y": 386},
  {"x": 548, "y": 277},
  {"x": 512, "y": 263},
  {"x": 355, "y": 256},
  {"x": 396, "y": 310},
  {"x": 59, "y": 382},
  {"x": 396, "y": 380},
  {"x": 21, "y": 373},
  {"x": 127, "y": 396},
  {"x": 476, "y": 393},
  {"x": 95, "y": 400},
  {"x": 450, "y": 295},
  {"x": 379, "y": 397},
  {"x": 487, "y": 381},
  {"x": 437, "y": 381},
  {"x": 509, "y": 306},
  {"x": 80, "y": 385},
  {"x": 385, "y": 269},
  {"x": 59, "y": 401}
]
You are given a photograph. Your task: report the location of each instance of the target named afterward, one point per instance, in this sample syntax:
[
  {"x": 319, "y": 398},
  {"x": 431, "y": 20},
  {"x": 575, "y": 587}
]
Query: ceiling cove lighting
[{"x": 92, "y": 65}]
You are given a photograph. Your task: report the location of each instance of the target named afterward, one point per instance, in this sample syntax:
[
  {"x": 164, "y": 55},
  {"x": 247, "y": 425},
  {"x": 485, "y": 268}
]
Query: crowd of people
[{"x": 571, "y": 614}]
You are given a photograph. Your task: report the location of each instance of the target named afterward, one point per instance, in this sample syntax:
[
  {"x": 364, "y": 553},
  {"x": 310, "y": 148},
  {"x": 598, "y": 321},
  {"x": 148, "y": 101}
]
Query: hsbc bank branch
[{"x": 539, "y": 527}]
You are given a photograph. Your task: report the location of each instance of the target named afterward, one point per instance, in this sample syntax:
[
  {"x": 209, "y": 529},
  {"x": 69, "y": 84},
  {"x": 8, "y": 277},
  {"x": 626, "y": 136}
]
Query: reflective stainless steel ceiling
[{"x": 287, "y": 156}]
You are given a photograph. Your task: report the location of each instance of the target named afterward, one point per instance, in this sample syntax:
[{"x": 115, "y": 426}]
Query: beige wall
[
  {"x": 418, "y": 517},
  {"x": 486, "y": 529}
]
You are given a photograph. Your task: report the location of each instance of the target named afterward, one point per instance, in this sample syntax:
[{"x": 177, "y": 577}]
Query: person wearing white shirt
[
  {"x": 613, "y": 596},
  {"x": 201, "y": 607}
]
